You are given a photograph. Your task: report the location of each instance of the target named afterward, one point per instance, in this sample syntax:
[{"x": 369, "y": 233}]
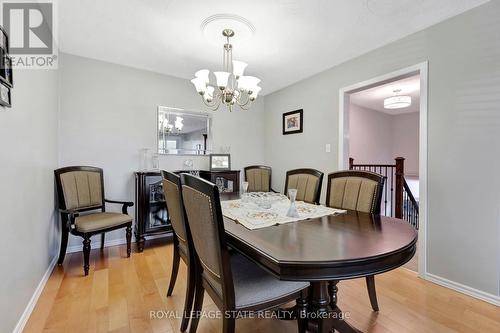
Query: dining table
[{"x": 325, "y": 250}]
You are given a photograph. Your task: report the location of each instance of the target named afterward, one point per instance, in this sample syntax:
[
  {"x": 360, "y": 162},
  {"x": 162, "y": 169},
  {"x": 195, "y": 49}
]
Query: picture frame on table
[
  {"x": 219, "y": 162},
  {"x": 5, "y": 96},
  {"x": 293, "y": 122}
]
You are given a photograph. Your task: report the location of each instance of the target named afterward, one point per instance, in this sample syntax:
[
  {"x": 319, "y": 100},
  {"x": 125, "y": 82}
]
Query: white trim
[
  {"x": 34, "y": 299},
  {"x": 484, "y": 296},
  {"x": 111, "y": 242},
  {"x": 343, "y": 143}
]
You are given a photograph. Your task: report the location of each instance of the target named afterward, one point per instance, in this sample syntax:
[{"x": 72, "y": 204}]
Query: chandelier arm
[
  {"x": 211, "y": 105},
  {"x": 240, "y": 102},
  {"x": 246, "y": 108}
]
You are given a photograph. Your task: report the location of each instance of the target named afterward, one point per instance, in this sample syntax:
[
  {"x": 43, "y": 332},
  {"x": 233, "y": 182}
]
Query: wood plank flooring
[{"x": 119, "y": 293}]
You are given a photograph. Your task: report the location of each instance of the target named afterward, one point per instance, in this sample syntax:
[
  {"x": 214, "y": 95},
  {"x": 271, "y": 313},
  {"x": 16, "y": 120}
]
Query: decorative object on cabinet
[
  {"x": 151, "y": 213},
  {"x": 293, "y": 122},
  {"x": 228, "y": 181},
  {"x": 220, "y": 162}
]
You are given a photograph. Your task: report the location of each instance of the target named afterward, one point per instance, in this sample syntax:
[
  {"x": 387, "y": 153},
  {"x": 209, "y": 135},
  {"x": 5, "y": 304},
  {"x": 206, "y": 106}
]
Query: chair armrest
[
  {"x": 72, "y": 214},
  {"x": 125, "y": 204}
]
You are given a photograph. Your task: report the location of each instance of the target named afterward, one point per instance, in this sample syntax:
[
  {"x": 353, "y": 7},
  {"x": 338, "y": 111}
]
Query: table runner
[{"x": 252, "y": 216}]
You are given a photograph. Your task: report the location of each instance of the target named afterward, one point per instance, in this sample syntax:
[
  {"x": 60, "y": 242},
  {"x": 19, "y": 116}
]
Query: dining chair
[
  {"x": 258, "y": 178},
  {"x": 307, "y": 182},
  {"x": 360, "y": 191},
  {"x": 81, "y": 201},
  {"x": 235, "y": 284},
  {"x": 182, "y": 243}
]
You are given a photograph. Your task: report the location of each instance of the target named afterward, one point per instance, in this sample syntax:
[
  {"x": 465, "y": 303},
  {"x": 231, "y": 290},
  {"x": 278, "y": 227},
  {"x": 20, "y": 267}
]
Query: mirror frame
[{"x": 180, "y": 111}]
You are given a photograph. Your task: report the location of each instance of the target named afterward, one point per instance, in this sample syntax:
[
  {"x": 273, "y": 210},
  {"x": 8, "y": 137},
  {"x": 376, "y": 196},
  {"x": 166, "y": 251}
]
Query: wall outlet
[{"x": 328, "y": 148}]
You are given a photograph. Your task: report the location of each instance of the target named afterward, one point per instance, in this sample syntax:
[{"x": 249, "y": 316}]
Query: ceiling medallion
[{"x": 232, "y": 88}]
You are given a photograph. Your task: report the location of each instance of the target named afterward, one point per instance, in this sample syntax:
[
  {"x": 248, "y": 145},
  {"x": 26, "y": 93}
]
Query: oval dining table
[{"x": 325, "y": 249}]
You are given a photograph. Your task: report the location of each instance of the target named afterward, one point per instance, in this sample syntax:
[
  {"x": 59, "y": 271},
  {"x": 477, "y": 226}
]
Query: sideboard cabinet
[{"x": 151, "y": 215}]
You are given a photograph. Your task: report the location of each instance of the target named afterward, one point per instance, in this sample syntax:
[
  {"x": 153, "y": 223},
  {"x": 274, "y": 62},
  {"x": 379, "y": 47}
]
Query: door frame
[{"x": 343, "y": 141}]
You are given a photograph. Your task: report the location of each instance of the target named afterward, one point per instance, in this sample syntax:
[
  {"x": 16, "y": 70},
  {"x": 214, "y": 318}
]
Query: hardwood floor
[{"x": 119, "y": 293}]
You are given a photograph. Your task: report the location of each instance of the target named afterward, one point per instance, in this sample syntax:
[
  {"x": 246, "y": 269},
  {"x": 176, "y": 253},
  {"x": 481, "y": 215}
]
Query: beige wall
[
  {"x": 463, "y": 135},
  {"x": 28, "y": 156},
  {"x": 376, "y": 137}
]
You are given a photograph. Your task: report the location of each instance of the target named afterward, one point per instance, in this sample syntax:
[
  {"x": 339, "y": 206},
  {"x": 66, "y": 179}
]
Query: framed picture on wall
[
  {"x": 4, "y": 40},
  {"x": 5, "y": 95},
  {"x": 220, "y": 162},
  {"x": 293, "y": 122},
  {"x": 6, "y": 69}
]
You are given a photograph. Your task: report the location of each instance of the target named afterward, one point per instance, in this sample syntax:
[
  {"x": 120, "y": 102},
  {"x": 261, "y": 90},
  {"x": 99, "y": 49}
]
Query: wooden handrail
[
  {"x": 398, "y": 195},
  {"x": 396, "y": 190}
]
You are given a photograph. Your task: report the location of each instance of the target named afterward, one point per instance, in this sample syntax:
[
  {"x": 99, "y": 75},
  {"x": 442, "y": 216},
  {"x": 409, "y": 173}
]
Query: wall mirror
[{"x": 182, "y": 132}]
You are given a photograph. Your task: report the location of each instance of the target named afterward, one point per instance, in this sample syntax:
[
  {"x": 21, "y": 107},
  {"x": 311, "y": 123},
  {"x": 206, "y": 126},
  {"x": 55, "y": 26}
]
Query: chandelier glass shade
[
  {"x": 231, "y": 88},
  {"x": 397, "y": 101}
]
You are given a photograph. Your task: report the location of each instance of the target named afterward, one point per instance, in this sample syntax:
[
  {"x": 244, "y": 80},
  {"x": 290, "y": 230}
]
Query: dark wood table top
[{"x": 331, "y": 247}]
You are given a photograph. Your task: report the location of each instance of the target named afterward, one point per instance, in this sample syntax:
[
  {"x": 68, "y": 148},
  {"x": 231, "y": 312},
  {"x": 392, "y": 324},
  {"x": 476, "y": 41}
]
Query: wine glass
[
  {"x": 244, "y": 194},
  {"x": 292, "y": 210}
]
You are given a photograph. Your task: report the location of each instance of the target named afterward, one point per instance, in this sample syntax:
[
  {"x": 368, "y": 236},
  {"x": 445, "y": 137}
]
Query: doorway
[{"x": 419, "y": 168}]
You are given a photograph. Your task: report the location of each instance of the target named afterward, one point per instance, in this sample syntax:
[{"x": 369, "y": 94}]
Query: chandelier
[{"x": 232, "y": 88}]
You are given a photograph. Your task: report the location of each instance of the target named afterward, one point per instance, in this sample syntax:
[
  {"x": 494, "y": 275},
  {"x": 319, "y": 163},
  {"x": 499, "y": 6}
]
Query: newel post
[
  {"x": 398, "y": 196},
  {"x": 351, "y": 163}
]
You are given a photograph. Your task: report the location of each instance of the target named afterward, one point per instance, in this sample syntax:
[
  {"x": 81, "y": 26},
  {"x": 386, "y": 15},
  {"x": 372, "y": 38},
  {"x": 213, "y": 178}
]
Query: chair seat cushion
[
  {"x": 98, "y": 221},
  {"x": 253, "y": 285}
]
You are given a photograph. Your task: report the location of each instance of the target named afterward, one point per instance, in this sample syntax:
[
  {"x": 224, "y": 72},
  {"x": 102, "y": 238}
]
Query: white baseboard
[
  {"x": 107, "y": 243},
  {"x": 34, "y": 299},
  {"x": 484, "y": 296}
]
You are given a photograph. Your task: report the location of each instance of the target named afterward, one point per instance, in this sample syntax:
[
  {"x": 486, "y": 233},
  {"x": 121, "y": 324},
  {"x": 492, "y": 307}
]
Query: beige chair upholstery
[
  {"x": 258, "y": 178},
  {"x": 80, "y": 192},
  {"x": 353, "y": 190},
  {"x": 99, "y": 221},
  {"x": 82, "y": 189},
  {"x": 307, "y": 182}
]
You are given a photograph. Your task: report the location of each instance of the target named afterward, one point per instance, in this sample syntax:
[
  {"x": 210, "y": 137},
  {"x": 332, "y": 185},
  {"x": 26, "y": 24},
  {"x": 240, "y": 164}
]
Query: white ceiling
[
  {"x": 293, "y": 39},
  {"x": 373, "y": 98}
]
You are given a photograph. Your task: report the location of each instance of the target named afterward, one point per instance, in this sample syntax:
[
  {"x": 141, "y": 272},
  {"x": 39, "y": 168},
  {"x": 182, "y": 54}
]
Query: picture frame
[
  {"x": 293, "y": 122},
  {"x": 219, "y": 162},
  {"x": 4, "y": 40},
  {"x": 5, "y": 96},
  {"x": 6, "y": 69}
]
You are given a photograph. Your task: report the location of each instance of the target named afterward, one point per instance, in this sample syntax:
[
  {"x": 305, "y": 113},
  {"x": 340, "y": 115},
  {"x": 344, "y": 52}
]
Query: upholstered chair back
[
  {"x": 82, "y": 187},
  {"x": 355, "y": 190},
  {"x": 307, "y": 182},
  {"x": 173, "y": 199},
  {"x": 258, "y": 178},
  {"x": 204, "y": 217}
]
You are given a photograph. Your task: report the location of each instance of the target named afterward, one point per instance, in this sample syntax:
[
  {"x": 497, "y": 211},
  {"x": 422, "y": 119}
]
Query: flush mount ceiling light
[
  {"x": 232, "y": 88},
  {"x": 397, "y": 101}
]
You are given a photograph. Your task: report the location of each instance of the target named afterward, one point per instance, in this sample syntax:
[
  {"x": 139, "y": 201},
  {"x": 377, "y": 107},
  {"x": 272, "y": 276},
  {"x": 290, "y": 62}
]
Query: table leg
[{"x": 325, "y": 312}]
